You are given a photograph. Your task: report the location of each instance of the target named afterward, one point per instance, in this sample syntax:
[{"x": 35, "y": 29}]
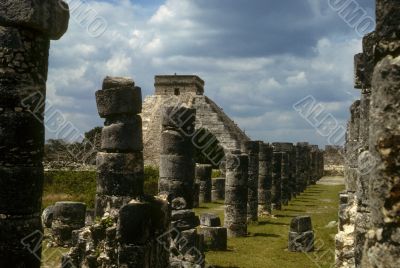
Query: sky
[{"x": 258, "y": 58}]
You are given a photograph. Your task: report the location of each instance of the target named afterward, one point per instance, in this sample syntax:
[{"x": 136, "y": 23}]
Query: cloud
[{"x": 257, "y": 57}]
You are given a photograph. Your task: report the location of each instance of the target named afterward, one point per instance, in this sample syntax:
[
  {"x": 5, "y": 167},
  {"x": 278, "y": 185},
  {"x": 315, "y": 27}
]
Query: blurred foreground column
[{"x": 26, "y": 28}]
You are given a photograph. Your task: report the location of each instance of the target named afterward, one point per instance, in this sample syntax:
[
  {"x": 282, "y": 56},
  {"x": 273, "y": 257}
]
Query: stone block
[
  {"x": 173, "y": 143},
  {"x": 50, "y": 17},
  {"x": 111, "y": 82},
  {"x": 123, "y": 137},
  {"x": 235, "y": 195},
  {"x": 135, "y": 224},
  {"x": 184, "y": 224},
  {"x": 301, "y": 224},
  {"x": 117, "y": 184},
  {"x": 301, "y": 242},
  {"x": 22, "y": 139},
  {"x": 176, "y": 167},
  {"x": 108, "y": 203},
  {"x": 122, "y": 163},
  {"x": 23, "y": 187},
  {"x": 218, "y": 189},
  {"x": 70, "y": 213},
  {"x": 215, "y": 238},
  {"x": 121, "y": 100},
  {"x": 210, "y": 220},
  {"x": 47, "y": 216}
]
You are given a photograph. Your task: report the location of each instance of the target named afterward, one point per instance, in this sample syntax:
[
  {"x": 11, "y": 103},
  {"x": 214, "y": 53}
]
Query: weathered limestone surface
[
  {"x": 287, "y": 169},
  {"x": 215, "y": 236},
  {"x": 301, "y": 235},
  {"x": 363, "y": 74},
  {"x": 276, "y": 190},
  {"x": 67, "y": 217},
  {"x": 235, "y": 219},
  {"x": 265, "y": 179},
  {"x": 177, "y": 176},
  {"x": 302, "y": 165},
  {"x": 133, "y": 228},
  {"x": 209, "y": 115},
  {"x": 382, "y": 246},
  {"x": 203, "y": 177},
  {"x": 25, "y": 32},
  {"x": 120, "y": 168},
  {"x": 251, "y": 148},
  {"x": 218, "y": 189}
]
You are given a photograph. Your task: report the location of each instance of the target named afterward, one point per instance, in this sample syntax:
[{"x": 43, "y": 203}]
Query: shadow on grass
[
  {"x": 264, "y": 235},
  {"x": 272, "y": 223},
  {"x": 284, "y": 216},
  {"x": 294, "y": 210},
  {"x": 224, "y": 266}
]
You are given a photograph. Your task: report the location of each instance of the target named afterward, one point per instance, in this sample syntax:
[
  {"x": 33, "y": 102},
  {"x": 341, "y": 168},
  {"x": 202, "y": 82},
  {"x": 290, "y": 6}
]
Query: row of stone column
[
  {"x": 369, "y": 237},
  {"x": 266, "y": 177},
  {"x": 26, "y": 28}
]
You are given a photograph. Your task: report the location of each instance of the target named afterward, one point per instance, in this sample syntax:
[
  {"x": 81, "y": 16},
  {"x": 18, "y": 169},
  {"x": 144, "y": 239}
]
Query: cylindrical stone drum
[
  {"x": 277, "y": 181},
  {"x": 218, "y": 189},
  {"x": 236, "y": 194},
  {"x": 203, "y": 177}
]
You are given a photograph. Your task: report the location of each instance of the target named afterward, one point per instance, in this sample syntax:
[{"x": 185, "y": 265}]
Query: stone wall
[{"x": 368, "y": 218}]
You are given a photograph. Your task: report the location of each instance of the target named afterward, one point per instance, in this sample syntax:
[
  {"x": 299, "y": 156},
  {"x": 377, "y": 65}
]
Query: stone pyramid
[{"x": 188, "y": 90}]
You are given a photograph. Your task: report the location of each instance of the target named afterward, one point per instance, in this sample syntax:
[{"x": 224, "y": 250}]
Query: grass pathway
[{"x": 266, "y": 244}]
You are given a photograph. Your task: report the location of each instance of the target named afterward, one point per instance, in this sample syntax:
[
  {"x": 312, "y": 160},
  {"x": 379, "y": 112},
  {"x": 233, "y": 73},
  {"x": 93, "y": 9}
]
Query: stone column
[
  {"x": 314, "y": 163},
  {"x": 236, "y": 194},
  {"x": 363, "y": 73},
  {"x": 120, "y": 167},
  {"x": 302, "y": 168},
  {"x": 177, "y": 176},
  {"x": 218, "y": 189},
  {"x": 177, "y": 167},
  {"x": 277, "y": 181},
  {"x": 26, "y": 28},
  {"x": 286, "y": 169},
  {"x": 352, "y": 147},
  {"x": 203, "y": 177},
  {"x": 134, "y": 228},
  {"x": 251, "y": 148},
  {"x": 265, "y": 179},
  {"x": 382, "y": 246}
]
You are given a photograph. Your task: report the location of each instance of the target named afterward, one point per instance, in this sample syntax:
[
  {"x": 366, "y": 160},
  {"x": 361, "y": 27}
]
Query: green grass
[
  {"x": 266, "y": 245},
  {"x": 80, "y": 186}
]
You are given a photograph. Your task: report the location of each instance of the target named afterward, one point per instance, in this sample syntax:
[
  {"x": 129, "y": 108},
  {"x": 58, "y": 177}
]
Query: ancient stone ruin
[
  {"x": 368, "y": 216},
  {"x": 203, "y": 177},
  {"x": 177, "y": 177},
  {"x": 26, "y": 28},
  {"x": 301, "y": 235},
  {"x": 215, "y": 236},
  {"x": 171, "y": 90},
  {"x": 265, "y": 179},
  {"x": 133, "y": 228},
  {"x": 251, "y": 148},
  {"x": 236, "y": 193},
  {"x": 218, "y": 189}
]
